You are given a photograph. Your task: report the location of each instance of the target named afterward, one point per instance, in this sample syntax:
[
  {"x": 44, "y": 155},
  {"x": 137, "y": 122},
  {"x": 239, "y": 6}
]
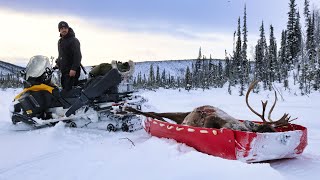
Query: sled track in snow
[{"x": 29, "y": 163}]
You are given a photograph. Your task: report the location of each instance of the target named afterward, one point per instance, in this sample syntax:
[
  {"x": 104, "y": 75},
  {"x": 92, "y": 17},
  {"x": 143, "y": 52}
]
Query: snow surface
[{"x": 63, "y": 153}]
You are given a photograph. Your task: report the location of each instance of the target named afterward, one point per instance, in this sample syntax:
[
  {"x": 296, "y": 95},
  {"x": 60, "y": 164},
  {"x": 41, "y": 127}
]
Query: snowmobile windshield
[{"x": 37, "y": 66}]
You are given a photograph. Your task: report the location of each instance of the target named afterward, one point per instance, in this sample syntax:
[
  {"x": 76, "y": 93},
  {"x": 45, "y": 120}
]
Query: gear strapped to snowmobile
[{"x": 97, "y": 103}]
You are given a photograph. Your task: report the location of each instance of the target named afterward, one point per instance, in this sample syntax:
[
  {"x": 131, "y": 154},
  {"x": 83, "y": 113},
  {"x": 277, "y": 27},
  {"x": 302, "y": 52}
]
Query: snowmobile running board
[
  {"x": 38, "y": 123},
  {"x": 105, "y": 116}
]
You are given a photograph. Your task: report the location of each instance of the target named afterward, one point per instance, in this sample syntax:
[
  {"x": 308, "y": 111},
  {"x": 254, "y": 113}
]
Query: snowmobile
[{"x": 97, "y": 102}]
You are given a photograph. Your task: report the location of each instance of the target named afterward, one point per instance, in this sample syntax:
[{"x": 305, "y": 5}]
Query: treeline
[
  {"x": 10, "y": 81},
  {"x": 297, "y": 56}
]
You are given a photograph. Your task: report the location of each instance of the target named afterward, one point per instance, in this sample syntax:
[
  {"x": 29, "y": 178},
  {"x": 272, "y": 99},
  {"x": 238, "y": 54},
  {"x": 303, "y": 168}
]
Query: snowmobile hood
[{"x": 37, "y": 66}]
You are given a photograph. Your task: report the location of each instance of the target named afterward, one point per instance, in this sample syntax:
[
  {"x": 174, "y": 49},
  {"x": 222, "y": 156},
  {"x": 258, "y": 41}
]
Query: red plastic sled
[{"x": 288, "y": 142}]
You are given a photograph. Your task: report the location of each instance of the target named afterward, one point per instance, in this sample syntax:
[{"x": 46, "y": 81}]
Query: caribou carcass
[{"x": 213, "y": 117}]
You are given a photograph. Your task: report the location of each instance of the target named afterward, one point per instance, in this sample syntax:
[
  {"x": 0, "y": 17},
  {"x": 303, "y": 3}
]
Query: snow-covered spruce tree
[
  {"x": 238, "y": 69},
  {"x": 293, "y": 35},
  {"x": 221, "y": 76},
  {"x": 206, "y": 72},
  {"x": 265, "y": 78},
  {"x": 158, "y": 79},
  {"x": 171, "y": 81},
  {"x": 245, "y": 35},
  {"x": 210, "y": 69},
  {"x": 144, "y": 81},
  {"x": 232, "y": 65},
  {"x": 245, "y": 62},
  {"x": 197, "y": 71},
  {"x": 198, "y": 62},
  {"x": 298, "y": 33},
  {"x": 283, "y": 63},
  {"x": 260, "y": 52},
  {"x": 228, "y": 66},
  {"x": 313, "y": 54},
  {"x": 272, "y": 61},
  {"x": 303, "y": 70},
  {"x": 306, "y": 10},
  {"x": 237, "y": 54},
  {"x": 229, "y": 89},
  {"x": 138, "y": 81},
  {"x": 188, "y": 79},
  {"x": 151, "y": 79},
  {"x": 214, "y": 75},
  {"x": 317, "y": 35},
  {"x": 309, "y": 64},
  {"x": 178, "y": 82},
  {"x": 317, "y": 43},
  {"x": 163, "y": 78}
]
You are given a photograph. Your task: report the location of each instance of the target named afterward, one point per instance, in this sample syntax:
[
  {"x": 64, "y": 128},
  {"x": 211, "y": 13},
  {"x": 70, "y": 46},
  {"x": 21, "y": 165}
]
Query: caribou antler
[
  {"x": 283, "y": 121},
  {"x": 264, "y": 104},
  {"x": 272, "y": 107}
]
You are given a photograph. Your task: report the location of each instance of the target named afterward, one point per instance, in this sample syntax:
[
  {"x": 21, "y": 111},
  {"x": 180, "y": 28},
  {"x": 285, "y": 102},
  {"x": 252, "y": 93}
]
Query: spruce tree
[
  {"x": 298, "y": 36},
  {"x": 158, "y": 79},
  {"x": 151, "y": 77},
  {"x": 221, "y": 75},
  {"x": 163, "y": 78},
  {"x": 238, "y": 58},
  {"x": 272, "y": 66},
  {"x": 188, "y": 79},
  {"x": 293, "y": 34},
  {"x": 283, "y": 61},
  {"x": 260, "y": 52},
  {"x": 245, "y": 62}
]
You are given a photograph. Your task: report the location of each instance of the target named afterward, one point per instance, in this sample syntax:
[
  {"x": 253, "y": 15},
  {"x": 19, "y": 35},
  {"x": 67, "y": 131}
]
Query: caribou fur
[
  {"x": 209, "y": 117},
  {"x": 213, "y": 117}
]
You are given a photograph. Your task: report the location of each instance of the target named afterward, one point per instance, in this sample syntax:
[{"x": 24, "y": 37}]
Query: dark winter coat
[{"x": 69, "y": 53}]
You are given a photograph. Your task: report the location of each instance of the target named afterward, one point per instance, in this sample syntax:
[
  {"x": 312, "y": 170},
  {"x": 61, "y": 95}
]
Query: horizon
[{"x": 137, "y": 30}]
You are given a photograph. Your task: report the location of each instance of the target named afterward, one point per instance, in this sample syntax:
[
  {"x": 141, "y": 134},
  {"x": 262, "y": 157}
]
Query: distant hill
[
  {"x": 8, "y": 68},
  {"x": 176, "y": 68}
]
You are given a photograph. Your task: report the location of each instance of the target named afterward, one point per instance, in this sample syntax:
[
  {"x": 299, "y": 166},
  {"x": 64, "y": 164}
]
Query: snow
[{"x": 65, "y": 153}]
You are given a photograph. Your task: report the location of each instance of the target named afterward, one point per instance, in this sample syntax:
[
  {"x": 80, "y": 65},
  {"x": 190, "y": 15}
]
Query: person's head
[{"x": 63, "y": 28}]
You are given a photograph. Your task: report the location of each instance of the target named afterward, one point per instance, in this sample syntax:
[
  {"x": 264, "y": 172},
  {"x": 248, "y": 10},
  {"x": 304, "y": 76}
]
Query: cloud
[{"x": 24, "y": 35}]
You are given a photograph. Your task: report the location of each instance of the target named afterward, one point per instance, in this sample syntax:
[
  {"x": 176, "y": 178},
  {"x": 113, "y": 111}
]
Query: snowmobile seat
[{"x": 96, "y": 88}]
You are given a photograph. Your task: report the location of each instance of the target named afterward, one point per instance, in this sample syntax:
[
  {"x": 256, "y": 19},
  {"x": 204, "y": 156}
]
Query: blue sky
[{"x": 141, "y": 29}]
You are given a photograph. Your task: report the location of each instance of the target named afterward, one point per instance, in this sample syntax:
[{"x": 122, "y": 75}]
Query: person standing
[{"x": 69, "y": 58}]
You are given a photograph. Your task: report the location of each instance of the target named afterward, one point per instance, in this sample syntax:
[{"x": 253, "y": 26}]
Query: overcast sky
[{"x": 140, "y": 30}]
